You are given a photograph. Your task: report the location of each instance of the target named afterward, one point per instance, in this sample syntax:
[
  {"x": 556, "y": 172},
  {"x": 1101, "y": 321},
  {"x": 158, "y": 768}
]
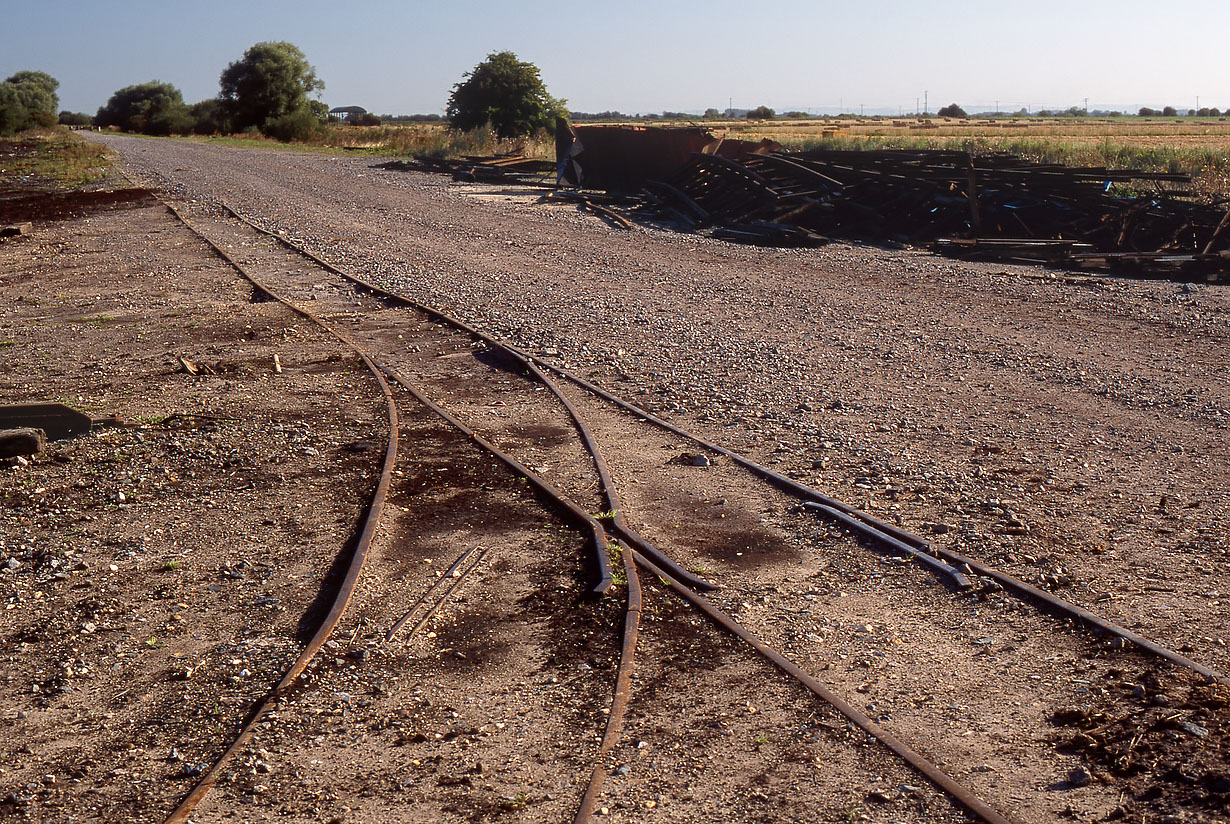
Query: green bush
[
  {"x": 268, "y": 88},
  {"x": 296, "y": 125},
  {"x": 28, "y": 99},
  {"x": 147, "y": 108},
  {"x": 68, "y": 118},
  {"x": 508, "y": 94},
  {"x": 208, "y": 117}
]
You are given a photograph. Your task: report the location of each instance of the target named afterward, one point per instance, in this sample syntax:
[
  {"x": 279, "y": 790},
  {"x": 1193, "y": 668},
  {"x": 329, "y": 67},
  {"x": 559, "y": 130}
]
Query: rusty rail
[
  {"x": 623, "y": 689},
  {"x": 930, "y": 771},
  {"x": 874, "y": 526},
  {"x": 354, "y": 568}
]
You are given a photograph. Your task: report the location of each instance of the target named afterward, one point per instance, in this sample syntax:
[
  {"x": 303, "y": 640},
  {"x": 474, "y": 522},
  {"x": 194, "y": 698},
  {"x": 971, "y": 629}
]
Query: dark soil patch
[
  {"x": 17, "y": 205},
  {"x": 470, "y": 638},
  {"x": 1165, "y": 737}
]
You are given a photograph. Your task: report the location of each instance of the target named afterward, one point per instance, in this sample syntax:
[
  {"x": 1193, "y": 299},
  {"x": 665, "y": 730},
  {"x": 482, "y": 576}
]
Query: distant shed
[{"x": 347, "y": 112}]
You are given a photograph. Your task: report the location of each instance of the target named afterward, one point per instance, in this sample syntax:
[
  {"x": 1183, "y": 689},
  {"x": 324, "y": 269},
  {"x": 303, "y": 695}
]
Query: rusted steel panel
[{"x": 622, "y": 158}]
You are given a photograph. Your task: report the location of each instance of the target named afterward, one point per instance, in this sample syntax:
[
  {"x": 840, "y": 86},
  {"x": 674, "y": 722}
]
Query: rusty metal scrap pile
[{"x": 998, "y": 207}]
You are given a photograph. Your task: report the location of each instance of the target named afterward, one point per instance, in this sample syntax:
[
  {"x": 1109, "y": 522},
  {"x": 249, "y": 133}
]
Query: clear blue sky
[{"x": 403, "y": 57}]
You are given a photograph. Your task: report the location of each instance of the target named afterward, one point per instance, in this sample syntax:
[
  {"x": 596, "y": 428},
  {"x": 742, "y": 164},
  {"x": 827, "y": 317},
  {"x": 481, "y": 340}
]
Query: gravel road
[{"x": 1072, "y": 430}]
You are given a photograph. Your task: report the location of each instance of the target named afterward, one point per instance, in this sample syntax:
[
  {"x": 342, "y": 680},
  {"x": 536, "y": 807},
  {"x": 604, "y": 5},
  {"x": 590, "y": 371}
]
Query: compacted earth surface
[{"x": 159, "y": 574}]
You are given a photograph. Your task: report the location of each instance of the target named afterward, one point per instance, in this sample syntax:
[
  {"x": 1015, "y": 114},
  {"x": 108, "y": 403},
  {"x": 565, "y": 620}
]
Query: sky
[{"x": 883, "y": 56}]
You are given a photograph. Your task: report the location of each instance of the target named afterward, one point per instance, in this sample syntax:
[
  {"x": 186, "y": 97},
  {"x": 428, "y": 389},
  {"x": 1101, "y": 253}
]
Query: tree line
[
  {"x": 267, "y": 91},
  {"x": 271, "y": 90}
]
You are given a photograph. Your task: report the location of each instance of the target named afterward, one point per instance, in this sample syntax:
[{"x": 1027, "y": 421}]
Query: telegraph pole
[{"x": 926, "y": 102}]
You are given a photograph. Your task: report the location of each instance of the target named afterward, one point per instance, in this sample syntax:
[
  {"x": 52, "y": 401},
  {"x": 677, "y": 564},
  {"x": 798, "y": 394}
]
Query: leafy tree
[
  {"x": 1170, "y": 111},
  {"x": 268, "y": 89},
  {"x": 712, "y": 114},
  {"x": 12, "y": 113},
  {"x": 1145, "y": 111},
  {"x": 208, "y": 117},
  {"x": 952, "y": 110},
  {"x": 68, "y": 118},
  {"x": 147, "y": 108},
  {"x": 761, "y": 113},
  {"x": 505, "y": 92},
  {"x": 28, "y": 99}
]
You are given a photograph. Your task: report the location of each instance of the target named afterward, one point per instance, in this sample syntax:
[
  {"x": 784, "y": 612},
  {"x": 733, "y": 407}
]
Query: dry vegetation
[
  {"x": 1197, "y": 146},
  {"x": 50, "y": 159},
  {"x": 431, "y": 139}
]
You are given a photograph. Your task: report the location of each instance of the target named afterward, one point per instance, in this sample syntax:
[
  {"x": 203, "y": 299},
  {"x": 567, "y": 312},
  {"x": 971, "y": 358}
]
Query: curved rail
[
  {"x": 668, "y": 574},
  {"x": 930, "y": 771},
  {"x": 870, "y": 525},
  {"x": 866, "y": 524},
  {"x": 342, "y": 599},
  {"x": 621, "y": 528},
  {"x": 623, "y": 689}
]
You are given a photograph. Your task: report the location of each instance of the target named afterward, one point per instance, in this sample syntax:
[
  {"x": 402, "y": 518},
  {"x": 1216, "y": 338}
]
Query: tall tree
[
  {"x": 148, "y": 108},
  {"x": 28, "y": 99},
  {"x": 271, "y": 82},
  {"x": 507, "y": 93}
]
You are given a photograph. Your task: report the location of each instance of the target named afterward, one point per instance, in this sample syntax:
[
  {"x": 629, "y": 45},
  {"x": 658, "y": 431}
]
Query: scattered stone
[
  {"x": 1192, "y": 728},
  {"x": 20, "y": 442},
  {"x": 1079, "y": 777},
  {"x": 700, "y": 460}
]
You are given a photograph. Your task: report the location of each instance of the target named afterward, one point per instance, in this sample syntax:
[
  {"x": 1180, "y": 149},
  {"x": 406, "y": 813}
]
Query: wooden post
[{"x": 975, "y": 218}]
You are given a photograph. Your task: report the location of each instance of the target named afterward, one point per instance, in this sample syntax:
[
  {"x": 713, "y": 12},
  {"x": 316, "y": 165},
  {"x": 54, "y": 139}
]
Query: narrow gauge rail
[
  {"x": 638, "y": 551},
  {"x": 955, "y": 565}
]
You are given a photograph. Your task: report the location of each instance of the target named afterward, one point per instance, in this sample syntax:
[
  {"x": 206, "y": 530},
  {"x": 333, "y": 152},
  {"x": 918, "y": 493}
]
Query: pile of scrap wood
[
  {"x": 988, "y": 207},
  {"x": 511, "y": 169}
]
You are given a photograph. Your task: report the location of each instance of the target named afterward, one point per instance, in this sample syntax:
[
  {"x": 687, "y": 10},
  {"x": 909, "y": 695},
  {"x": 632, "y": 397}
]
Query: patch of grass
[{"x": 51, "y": 159}]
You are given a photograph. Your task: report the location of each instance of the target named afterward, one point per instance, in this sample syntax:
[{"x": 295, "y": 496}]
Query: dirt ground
[{"x": 161, "y": 574}]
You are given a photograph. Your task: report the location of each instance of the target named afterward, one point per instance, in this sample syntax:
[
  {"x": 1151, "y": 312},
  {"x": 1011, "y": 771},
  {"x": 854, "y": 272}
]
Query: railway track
[{"x": 536, "y": 429}]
